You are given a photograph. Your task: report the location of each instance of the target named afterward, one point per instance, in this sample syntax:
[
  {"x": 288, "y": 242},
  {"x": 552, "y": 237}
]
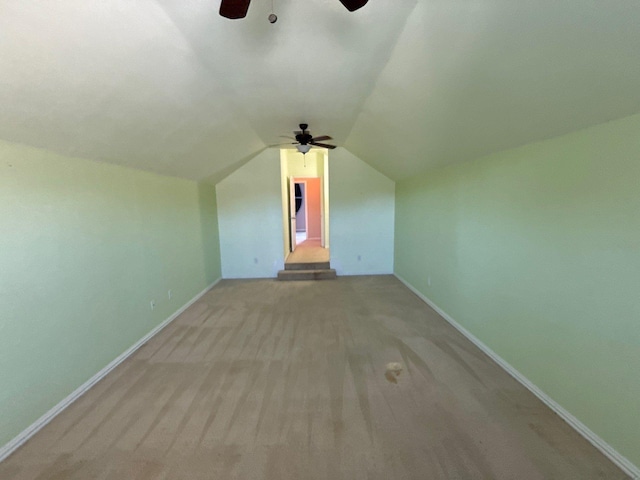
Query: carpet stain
[{"x": 394, "y": 369}]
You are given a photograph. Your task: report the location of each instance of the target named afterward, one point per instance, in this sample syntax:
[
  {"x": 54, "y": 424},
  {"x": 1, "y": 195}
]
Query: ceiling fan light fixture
[{"x": 303, "y": 148}]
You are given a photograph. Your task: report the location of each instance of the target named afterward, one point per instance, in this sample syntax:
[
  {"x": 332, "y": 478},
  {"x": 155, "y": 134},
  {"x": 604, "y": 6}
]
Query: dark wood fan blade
[
  {"x": 323, "y": 145},
  {"x": 353, "y": 5},
  {"x": 321, "y": 138},
  {"x": 234, "y": 9}
]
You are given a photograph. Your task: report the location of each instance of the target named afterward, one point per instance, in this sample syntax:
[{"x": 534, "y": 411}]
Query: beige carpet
[
  {"x": 309, "y": 251},
  {"x": 287, "y": 380}
]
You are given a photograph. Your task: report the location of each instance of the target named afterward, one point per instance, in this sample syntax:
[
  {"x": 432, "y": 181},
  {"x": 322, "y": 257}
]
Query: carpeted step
[
  {"x": 324, "y": 274},
  {"x": 307, "y": 266}
]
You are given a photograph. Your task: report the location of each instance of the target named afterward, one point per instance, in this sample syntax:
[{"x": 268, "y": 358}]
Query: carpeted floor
[
  {"x": 287, "y": 380},
  {"x": 309, "y": 251}
]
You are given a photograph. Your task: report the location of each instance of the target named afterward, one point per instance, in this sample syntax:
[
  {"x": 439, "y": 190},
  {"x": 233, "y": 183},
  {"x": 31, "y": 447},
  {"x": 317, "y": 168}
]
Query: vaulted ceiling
[{"x": 172, "y": 87}]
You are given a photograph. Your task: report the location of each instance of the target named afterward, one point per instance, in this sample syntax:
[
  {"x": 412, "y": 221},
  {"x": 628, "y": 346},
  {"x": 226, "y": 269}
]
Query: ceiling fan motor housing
[{"x": 303, "y": 138}]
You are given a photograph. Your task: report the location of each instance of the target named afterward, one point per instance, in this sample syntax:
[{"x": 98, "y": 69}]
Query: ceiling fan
[
  {"x": 304, "y": 140},
  {"x": 234, "y": 9}
]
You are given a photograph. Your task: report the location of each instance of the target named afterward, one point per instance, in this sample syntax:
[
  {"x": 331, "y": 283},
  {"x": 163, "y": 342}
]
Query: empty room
[{"x": 319, "y": 239}]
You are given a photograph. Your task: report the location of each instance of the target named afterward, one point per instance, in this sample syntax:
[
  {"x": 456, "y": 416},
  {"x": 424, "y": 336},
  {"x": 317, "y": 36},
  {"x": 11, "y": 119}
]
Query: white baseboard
[
  {"x": 32, "y": 429},
  {"x": 621, "y": 461}
]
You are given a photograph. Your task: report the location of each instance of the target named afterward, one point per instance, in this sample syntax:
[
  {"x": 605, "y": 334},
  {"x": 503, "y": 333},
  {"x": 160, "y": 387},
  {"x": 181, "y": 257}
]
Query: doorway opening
[
  {"x": 301, "y": 210},
  {"x": 305, "y": 204}
]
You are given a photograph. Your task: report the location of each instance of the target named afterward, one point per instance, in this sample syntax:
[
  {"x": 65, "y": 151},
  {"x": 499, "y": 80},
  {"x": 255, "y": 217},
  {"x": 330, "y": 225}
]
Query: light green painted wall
[
  {"x": 84, "y": 248},
  {"x": 250, "y": 218},
  {"x": 209, "y": 232},
  {"x": 361, "y": 216},
  {"x": 536, "y": 251}
]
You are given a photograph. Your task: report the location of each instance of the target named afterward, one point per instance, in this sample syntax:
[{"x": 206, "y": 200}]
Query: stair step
[
  {"x": 307, "y": 266},
  {"x": 323, "y": 274}
]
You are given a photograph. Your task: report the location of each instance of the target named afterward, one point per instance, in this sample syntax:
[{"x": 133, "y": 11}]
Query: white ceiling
[
  {"x": 170, "y": 86},
  {"x": 469, "y": 78}
]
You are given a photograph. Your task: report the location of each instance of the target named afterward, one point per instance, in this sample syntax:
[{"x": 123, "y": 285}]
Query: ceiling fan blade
[
  {"x": 284, "y": 136},
  {"x": 234, "y": 9},
  {"x": 321, "y": 138},
  {"x": 323, "y": 145},
  {"x": 353, "y": 5}
]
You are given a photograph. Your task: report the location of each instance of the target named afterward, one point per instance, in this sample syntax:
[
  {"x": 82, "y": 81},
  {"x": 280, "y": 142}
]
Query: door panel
[{"x": 292, "y": 214}]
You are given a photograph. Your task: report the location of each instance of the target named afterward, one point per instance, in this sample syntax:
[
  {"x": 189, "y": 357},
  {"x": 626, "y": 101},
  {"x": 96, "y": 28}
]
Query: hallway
[
  {"x": 309, "y": 251},
  {"x": 268, "y": 380}
]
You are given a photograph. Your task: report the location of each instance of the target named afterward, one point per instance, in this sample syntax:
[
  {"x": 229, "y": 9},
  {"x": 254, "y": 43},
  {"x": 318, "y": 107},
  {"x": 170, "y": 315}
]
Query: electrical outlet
[
  {"x": 153, "y": 304},
  {"x": 169, "y": 294}
]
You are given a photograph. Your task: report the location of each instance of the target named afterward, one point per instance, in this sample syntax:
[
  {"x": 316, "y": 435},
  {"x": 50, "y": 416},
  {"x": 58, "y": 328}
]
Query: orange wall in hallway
[{"x": 314, "y": 209}]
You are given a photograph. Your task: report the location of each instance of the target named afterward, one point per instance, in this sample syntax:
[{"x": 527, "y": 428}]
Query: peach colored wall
[{"x": 314, "y": 211}]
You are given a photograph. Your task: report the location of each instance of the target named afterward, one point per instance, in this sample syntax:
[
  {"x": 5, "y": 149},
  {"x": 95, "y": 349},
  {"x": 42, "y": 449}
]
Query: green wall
[
  {"x": 361, "y": 216},
  {"x": 84, "y": 247},
  {"x": 210, "y": 235},
  {"x": 536, "y": 251}
]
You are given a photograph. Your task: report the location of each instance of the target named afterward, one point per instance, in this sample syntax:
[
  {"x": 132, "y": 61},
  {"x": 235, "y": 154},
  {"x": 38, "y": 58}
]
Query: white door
[
  {"x": 322, "y": 212},
  {"x": 292, "y": 214}
]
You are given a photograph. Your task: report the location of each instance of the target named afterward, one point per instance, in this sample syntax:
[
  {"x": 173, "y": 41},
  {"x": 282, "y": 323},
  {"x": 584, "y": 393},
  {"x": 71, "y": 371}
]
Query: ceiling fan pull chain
[{"x": 273, "y": 18}]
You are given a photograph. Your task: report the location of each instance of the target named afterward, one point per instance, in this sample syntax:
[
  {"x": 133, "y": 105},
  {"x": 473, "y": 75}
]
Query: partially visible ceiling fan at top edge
[
  {"x": 304, "y": 140},
  {"x": 235, "y": 9}
]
